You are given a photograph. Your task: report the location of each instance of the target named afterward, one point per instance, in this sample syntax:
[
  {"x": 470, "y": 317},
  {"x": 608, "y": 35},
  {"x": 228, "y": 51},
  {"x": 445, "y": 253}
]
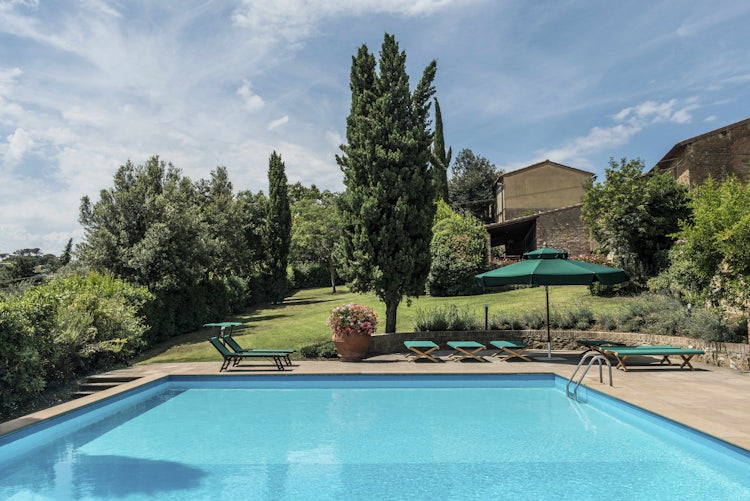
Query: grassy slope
[{"x": 301, "y": 319}]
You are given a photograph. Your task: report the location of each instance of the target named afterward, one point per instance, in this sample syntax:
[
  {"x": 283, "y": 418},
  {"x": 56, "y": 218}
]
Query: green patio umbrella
[{"x": 547, "y": 267}]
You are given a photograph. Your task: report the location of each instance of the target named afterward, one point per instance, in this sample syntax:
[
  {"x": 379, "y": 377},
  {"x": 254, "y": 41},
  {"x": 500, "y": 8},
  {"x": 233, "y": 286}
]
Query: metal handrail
[{"x": 595, "y": 357}]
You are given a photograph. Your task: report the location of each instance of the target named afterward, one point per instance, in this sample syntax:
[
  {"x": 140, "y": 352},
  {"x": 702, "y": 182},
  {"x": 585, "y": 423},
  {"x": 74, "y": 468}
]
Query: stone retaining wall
[{"x": 732, "y": 355}]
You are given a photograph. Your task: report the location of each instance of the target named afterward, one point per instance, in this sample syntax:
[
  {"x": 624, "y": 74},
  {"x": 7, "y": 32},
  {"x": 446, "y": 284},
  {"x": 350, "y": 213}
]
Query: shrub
[
  {"x": 98, "y": 319},
  {"x": 459, "y": 252},
  {"x": 445, "y": 319},
  {"x": 607, "y": 321},
  {"x": 535, "y": 319},
  {"x": 306, "y": 275},
  {"x": 325, "y": 349},
  {"x": 707, "y": 324},
  {"x": 21, "y": 366},
  {"x": 504, "y": 322}
]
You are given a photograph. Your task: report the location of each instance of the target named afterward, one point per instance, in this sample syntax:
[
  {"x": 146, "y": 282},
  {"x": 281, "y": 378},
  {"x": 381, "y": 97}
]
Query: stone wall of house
[
  {"x": 563, "y": 229},
  {"x": 733, "y": 355},
  {"x": 719, "y": 155}
]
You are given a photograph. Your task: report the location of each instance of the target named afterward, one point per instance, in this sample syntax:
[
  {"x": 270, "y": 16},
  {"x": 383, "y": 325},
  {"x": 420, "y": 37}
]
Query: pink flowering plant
[{"x": 352, "y": 319}]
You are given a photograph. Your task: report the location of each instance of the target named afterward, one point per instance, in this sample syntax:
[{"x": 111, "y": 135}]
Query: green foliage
[
  {"x": 325, "y": 350},
  {"x": 308, "y": 275},
  {"x": 21, "y": 364},
  {"x": 578, "y": 317},
  {"x": 634, "y": 216},
  {"x": 606, "y": 320},
  {"x": 194, "y": 245},
  {"x": 316, "y": 230},
  {"x": 459, "y": 252},
  {"x": 441, "y": 159},
  {"x": 97, "y": 319},
  {"x": 74, "y": 324},
  {"x": 387, "y": 208},
  {"x": 470, "y": 186},
  {"x": 278, "y": 228},
  {"x": 713, "y": 246},
  {"x": 67, "y": 255},
  {"x": 448, "y": 318},
  {"x": 506, "y": 321},
  {"x": 147, "y": 228},
  {"x": 534, "y": 319}
]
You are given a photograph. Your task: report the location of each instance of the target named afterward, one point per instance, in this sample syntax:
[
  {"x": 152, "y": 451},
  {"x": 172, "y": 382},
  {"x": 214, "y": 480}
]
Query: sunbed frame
[
  {"x": 420, "y": 349},
  {"x": 622, "y": 354},
  {"x": 234, "y": 359},
  {"x": 466, "y": 349},
  {"x": 235, "y": 347},
  {"x": 510, "y": 350}
]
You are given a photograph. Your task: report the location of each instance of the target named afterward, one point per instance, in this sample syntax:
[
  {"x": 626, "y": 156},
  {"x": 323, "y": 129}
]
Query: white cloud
[
  {"x": 18, "y": 144},
  {"x": 294, "y": 20},
  {"x": 278, "y": 122},
  {"x": 629, "y": 122},
  {"x": 333, "y": 138},
  {"x": 252, "y": 101}
]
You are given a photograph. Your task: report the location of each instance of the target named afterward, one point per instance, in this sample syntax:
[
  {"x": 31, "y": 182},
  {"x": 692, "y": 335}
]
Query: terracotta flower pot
[{"x": 353, "y": 348}]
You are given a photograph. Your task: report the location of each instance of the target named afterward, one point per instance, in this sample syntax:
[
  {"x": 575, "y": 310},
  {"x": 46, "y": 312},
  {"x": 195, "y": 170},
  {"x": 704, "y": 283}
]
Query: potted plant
[{"x": 352, "y": 325}]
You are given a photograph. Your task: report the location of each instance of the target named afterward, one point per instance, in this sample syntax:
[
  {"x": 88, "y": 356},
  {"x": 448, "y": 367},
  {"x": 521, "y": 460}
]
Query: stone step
[
  {"x": 80, "y": 394},
  {"x": 96, "y": 386},
  {"x": 110, "y": 378}
]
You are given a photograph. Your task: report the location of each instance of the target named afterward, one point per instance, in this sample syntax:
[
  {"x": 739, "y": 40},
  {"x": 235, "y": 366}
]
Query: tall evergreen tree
[
  {"x": 441, "y": 159},
  {"x": 278, "y": 228},
  {"x": 388, "y": 205},
  {"x": 67, "y": 254}
]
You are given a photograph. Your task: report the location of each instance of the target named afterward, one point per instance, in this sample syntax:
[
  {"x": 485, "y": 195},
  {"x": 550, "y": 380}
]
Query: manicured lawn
[{"x": 301, "y": 320}]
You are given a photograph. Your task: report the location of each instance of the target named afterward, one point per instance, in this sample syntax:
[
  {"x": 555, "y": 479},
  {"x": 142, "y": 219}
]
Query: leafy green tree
[
  {"x": 470, "y": 186},
  {"x": 634, "y": 217},
  {"x": 278, "y": 228},
  {"x": 298, "y": 191},
  {"x": 316, "y": 230},
  {"x": 441, "y": 159},
  {"x": 23, "y": 263},
  {"x": 388, "y": 206},
  {"x": 148, "y": 228},
  {"x": 713, "y": 243},
  {"x": 459, "y": 252}
]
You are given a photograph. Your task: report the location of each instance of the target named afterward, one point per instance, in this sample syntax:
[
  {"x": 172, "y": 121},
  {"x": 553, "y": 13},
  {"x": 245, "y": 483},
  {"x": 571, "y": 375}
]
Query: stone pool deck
[{"x": 711, "y": 399}]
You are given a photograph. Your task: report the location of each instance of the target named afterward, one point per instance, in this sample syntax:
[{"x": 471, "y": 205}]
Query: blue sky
[{"x": 86, "y": 85}]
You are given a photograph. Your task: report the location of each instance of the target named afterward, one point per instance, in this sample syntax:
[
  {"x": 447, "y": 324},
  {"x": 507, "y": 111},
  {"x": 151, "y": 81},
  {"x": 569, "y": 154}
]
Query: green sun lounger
[
  {"x": 510, "y": 350},
  {"x": 235, "y": 347},
  {"x": 466, "y": 349},
  {"x": 622, "y": 353},
  {"x": 420, "y": 349},
  {"x": 234, "y": 359}
]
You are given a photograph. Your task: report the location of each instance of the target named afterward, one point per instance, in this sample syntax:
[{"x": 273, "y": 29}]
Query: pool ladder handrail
[{"x": 595, "y": 357}]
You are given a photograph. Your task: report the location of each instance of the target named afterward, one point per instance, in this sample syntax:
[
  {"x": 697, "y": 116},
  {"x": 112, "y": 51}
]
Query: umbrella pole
[{"x": 549, "y": 338}]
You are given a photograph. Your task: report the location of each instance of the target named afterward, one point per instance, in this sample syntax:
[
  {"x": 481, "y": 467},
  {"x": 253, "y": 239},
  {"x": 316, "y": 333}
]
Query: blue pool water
[{"x": 378, "y": 437}]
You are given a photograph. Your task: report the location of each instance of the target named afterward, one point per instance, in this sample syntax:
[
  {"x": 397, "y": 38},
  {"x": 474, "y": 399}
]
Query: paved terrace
[{"x": 711, "y": 399}]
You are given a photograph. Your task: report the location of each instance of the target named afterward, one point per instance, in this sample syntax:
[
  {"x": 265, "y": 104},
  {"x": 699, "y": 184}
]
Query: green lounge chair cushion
[
  {"x": 420, "y": 344},
  {"x": 464, "y": 344},
  {"x": 507, "y": 344}
]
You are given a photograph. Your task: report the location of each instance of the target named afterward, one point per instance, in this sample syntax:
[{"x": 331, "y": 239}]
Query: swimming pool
[{"x": 378, "y": 437}]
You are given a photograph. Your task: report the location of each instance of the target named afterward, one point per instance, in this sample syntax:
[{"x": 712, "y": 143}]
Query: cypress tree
[
  {"x": 278, "y": 228},
  {"x": 388, "y": 205},
  {"x": 441, "y": 159}
]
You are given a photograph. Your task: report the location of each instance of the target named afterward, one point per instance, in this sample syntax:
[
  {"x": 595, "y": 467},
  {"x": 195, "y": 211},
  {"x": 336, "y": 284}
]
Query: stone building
[
  {"x": 720, "y": 153},
  {"x": 540, "y": 204}
]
